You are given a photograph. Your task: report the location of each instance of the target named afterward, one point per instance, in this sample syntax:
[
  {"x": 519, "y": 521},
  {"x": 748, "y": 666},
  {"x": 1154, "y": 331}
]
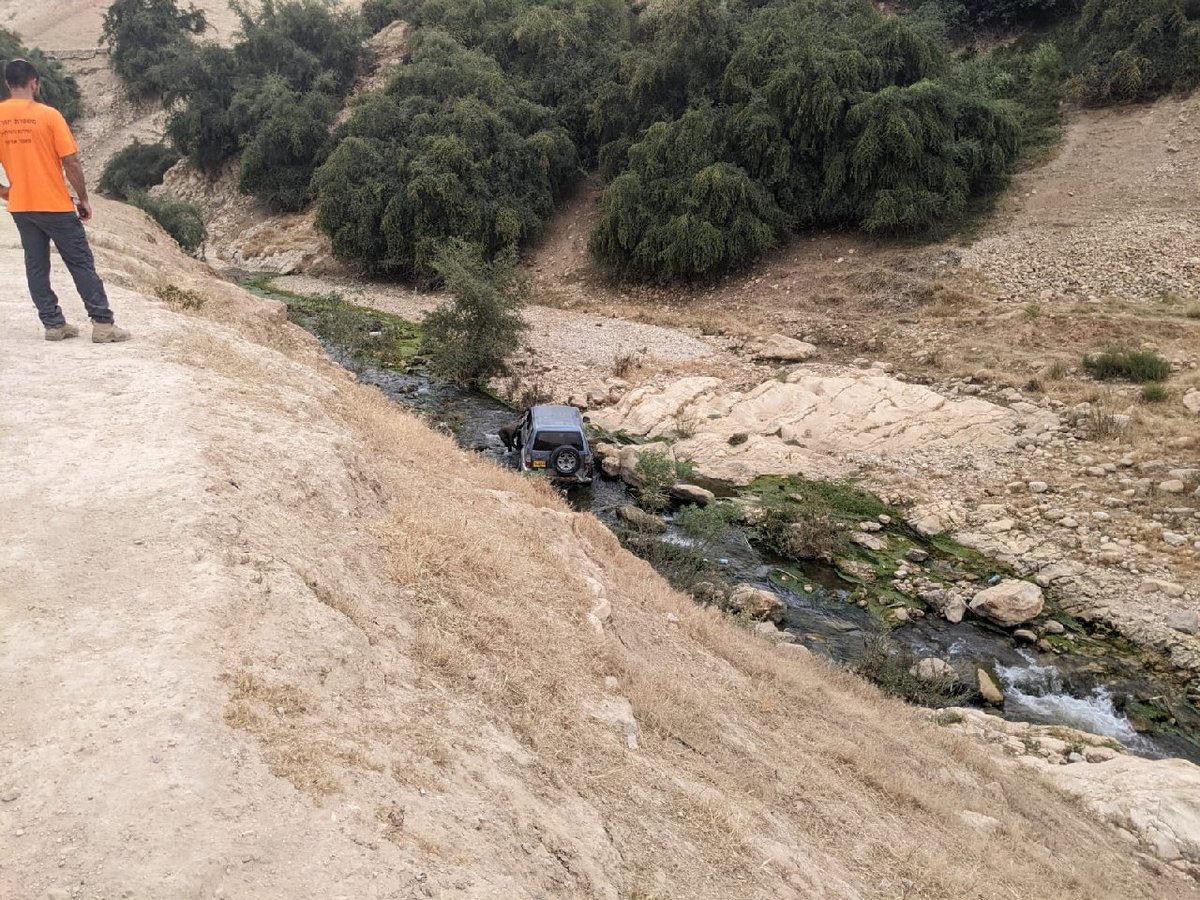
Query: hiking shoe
[
  {"x": 62, "y": 332},
  {"x": 108, "y": 333}
]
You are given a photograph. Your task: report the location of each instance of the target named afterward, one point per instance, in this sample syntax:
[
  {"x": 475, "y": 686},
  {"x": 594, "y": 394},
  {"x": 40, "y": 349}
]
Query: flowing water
[{"x": 1038, "y": 687}]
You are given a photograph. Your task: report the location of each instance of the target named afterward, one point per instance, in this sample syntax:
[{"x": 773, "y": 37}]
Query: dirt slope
[{"x": 264, "y": 635}]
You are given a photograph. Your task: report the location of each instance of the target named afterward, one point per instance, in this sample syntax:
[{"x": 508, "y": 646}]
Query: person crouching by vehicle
[{"x": 36, "y": 148}]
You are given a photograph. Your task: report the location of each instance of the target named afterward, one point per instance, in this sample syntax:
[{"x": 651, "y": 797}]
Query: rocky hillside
[{"x": 293, "y": 642}]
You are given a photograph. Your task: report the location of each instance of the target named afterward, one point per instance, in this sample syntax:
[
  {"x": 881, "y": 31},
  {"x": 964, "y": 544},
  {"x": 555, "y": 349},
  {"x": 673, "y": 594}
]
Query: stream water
[{"x": 1058, "y": 689}]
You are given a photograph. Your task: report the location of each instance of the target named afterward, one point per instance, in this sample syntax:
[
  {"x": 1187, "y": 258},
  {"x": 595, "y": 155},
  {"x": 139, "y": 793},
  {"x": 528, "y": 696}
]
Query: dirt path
[{"x": 118, "y": 777}]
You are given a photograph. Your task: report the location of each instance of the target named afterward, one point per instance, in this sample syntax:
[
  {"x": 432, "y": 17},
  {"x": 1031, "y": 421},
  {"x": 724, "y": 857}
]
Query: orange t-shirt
[{"x": 34, "y": 138}]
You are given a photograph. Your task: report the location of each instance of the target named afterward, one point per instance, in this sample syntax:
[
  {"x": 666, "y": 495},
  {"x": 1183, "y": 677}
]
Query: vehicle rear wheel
[{"x": 566, "y": 461}]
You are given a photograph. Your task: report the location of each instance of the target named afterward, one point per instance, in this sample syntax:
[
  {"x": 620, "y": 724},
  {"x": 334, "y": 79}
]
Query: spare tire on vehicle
[{"x": 566, "y": 461}]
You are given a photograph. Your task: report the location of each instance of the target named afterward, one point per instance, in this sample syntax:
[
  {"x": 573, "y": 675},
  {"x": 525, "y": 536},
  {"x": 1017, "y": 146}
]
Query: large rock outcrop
[{"x": 812, "y": 424}]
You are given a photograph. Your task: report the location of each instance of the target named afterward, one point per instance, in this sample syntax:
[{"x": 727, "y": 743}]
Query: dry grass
[
  {"x": 443, "y": 646},
  {"x": 741, "y": 747}
]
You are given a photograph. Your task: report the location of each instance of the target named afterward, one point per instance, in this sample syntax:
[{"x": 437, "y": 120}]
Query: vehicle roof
[{"x": 551, "y": 416}]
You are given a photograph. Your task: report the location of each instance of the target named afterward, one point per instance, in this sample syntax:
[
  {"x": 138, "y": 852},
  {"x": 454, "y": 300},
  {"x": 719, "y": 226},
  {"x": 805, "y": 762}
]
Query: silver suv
[{"x": 551, "y": 439}]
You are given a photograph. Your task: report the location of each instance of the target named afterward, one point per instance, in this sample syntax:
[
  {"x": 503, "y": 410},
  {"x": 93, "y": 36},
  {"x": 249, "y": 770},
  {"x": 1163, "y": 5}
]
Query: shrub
[
  {"x": 182, "y": 221},
  {"x": 679, "y": 211},
  {"x": 180, "y": 298},
  {"x": 58, "y": 89},
  {"x": 799, "y": 533},
  {"x": 378, "y": 14},
  {"x": 685, "y": 568},
  {"x": 656, "y": 474},
  {"x": 890, "y": 668},
  {"x": 136, "y": 169},
  {"x": 986, "y": 13},
  {"x": 469, "y": 339},
  {"x": 706, "y": 525},
  {"x": 1138, "y": 366},
  {"x": 149, "y": 42},
  {"x": 1155, "y": 392}
]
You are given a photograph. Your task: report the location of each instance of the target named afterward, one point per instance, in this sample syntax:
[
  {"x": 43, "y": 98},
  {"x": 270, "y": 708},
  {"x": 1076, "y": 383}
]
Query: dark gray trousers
[{"x": 37, "y": 230}]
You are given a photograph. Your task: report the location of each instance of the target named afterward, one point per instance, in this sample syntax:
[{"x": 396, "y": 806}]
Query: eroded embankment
[{"x": 271, "y": 637}]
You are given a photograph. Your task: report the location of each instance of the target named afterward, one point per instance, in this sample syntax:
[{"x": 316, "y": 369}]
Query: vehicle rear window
[{"x": 552, "y": 440}]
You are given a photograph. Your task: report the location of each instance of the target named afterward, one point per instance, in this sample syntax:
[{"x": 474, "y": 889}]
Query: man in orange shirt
[{"x": 36, "y": 147}]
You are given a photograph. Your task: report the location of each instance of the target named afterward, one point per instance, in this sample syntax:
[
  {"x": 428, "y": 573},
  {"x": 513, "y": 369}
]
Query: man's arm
[{"x": 74, "y": 169}]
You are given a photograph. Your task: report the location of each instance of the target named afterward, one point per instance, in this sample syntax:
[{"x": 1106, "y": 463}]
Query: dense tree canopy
[
  {"x": 272, "y": 96},
  {"x": 1138, "y": 49},
  {"x": 448, "y": 149},
  {"x": 720, "y": 125},
  {"x": 149, "y": 42}
]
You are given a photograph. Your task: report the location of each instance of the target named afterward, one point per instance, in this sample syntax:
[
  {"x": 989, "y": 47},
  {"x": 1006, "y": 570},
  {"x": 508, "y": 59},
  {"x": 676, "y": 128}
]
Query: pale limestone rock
[
  {"x": 1009, "y": 603},
  {"x": 985, "y": 825},
  {"x": 932, "y": 669},
  {"x": 1184, "y": 621},
  {"x": 875, "y": 542},
  {"x": 1191, "y": 400},
  {"x": 1162, "y": 586},
  {"x": 988, "y": 689},
  {"x": 755, "y": 603},
  {"x": 781, "y": 348},
  {"x": 812, "y": 424},
  {"x": 1157, "y": 801},
  {"x": 690, "y": 493},
  {"x": 631, "y": 454}
]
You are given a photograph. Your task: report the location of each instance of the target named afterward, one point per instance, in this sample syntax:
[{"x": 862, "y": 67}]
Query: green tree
[
  {"x": 58, "y": 89},
  {"x": 469, "y": 339},
  {"x": 679, "y": 211},
  {"x": 148, "y": 42},
  {"x": 448, "y": 149},
  {"x": 290, "y": 141}
]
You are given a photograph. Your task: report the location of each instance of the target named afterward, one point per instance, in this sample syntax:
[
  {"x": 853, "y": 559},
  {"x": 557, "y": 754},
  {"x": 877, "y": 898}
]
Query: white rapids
[{"x": 1038, "y": 694}]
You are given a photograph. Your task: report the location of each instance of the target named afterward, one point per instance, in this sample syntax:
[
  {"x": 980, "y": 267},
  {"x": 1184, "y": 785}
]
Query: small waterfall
[{"x": 1039, "y": 694}]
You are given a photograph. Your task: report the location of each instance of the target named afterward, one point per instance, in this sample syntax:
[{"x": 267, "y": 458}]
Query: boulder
[
  {"x": 640, "y": 519},
  {"x": 773, "y": 632},
  {"x": 755, "y": 603},
  {"x": 954, "y": 610},
  {"x": 932, "y": 669},
  {"x": 988, "y": 689},
  {"x": 926, "y": 524},
  {"x": 1192, "y": 401},
  {"x": 985, "y": 825},
  {"x": 781, "y": 348},
  {"x": 690, "y": 493},
  {"x": 876, "y": 542},
  {"x": 1185, "y": 622},
  {"x": 1162, "y": 586},
  {"x": 1009, "y": 603}
]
